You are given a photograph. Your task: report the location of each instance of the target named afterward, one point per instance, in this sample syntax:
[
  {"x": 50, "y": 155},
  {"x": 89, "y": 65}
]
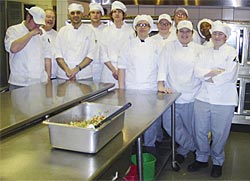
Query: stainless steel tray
[{"x": 86, "y": 140}]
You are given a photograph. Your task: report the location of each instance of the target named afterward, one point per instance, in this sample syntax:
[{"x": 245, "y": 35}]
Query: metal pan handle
[{"x": 111, "y": 116}]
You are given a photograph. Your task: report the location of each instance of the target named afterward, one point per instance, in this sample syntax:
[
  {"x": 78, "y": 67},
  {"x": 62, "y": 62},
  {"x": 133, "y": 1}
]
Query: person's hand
[
  {"x": 215, "y": 72},
  {"x": 115, "y": 74},
  {"x": 165, "y": 90},
  {"x": 36, "y": 31}
]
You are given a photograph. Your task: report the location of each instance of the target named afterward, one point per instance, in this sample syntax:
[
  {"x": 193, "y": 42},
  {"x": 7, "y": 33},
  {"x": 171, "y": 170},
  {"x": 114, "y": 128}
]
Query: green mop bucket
[{"x": 148, "y": 165}]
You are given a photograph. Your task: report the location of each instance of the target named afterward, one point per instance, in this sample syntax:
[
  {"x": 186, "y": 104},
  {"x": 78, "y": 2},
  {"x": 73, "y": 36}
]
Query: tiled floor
[{"x": 236, "y": 166}]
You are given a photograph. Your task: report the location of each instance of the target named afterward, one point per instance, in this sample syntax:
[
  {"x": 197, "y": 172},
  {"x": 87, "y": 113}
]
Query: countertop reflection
[{"x": 29, "y": 103}]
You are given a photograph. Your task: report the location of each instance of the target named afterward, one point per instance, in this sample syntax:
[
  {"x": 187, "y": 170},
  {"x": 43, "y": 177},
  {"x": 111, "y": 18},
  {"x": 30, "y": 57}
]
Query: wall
[
  {"x": 41, "y": 3},
  {"x": 196, "y": 13}
]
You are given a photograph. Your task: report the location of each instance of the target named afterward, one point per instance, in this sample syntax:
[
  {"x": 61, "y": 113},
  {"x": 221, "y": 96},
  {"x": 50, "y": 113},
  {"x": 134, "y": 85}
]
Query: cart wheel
[{"x": 175, "y": 166}]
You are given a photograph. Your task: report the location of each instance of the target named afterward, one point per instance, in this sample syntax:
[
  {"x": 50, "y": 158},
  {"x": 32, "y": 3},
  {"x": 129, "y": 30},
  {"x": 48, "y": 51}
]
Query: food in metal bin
[{"x": 89, "y": 123}]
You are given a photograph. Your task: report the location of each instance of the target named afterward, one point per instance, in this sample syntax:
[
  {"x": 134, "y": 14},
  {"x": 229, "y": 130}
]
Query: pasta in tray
[{"x": 89, "y": 123}]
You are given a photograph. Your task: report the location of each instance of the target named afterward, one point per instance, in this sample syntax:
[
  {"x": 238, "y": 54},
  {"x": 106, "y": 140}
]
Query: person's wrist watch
[{"x": 79, "y": 68}]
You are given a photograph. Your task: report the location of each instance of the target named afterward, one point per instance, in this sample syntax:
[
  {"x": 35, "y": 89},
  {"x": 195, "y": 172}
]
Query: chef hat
[
  {"x": 145, "y": 18},
  {"x": 222, "y": 27},
  {"x": 38, "y": 15},
  {"x": 96, "y": 6},
  {"x": 75, "y": 7},
  {"x": 199, "y": 25},
  {"x": 165, "y": 16},
  {"x": 185, "y": 24},
  {"x": 118, "y": 5},
  {"x": 181, "y": 9}
]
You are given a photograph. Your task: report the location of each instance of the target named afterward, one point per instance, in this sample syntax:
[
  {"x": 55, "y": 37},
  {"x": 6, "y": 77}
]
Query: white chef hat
[
  {"x": 185, "y": 24},
  {"x": 118, "y": 5},
  {"x": 75, "y": 7},
  {"x": 181, "y": 9},
  {"x": 164, "y": 16},
  {"x": 145, "y": 18},
  {"x": 38, "y": 15},
  {"x": 199, "y": 25},
  {"x": 222, "y": 27},
  {"x": 96, "y": 6}
]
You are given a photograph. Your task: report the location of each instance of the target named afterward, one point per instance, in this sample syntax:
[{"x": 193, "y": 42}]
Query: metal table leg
[
  {"x": 175, "y": 164},
  {"x": 139, "y": 159}
]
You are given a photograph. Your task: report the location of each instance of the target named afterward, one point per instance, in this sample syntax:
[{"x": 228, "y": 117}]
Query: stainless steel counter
[
  {"x": 24, "y": 105},
  {"x": 27, "y": 155}
]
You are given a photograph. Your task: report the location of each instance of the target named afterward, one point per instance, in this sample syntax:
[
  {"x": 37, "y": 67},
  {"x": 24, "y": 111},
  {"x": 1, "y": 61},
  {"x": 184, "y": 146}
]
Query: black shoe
[
  {"x": 216, "y": 171},
  {"x": 179, "y": 158},
  {"x": 197, "y": 166}
]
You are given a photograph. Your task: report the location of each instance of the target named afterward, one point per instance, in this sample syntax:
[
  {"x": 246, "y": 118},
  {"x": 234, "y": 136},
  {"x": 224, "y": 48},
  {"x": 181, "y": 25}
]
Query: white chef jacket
[
  {"x": 196, "y": 37},
  {"x": 223, "y": 90},
  {"x": 73, "y": 45},
  {"x": 176, "y": 68},
  {"x": 52, "y": 38},
  {"x": 112, "y": 42},
  {"x": 172, "y": 36},
  {"x": 28, "y": 65},
  {"x": 140, "y": 61},
  {"x": 97, "y": 64}
]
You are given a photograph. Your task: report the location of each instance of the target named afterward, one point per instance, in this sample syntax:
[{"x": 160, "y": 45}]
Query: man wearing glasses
[
  {"x": 75, "y": 47},
  {"x": 181, "y": 14},
  {"x": 29, "y": 53}
]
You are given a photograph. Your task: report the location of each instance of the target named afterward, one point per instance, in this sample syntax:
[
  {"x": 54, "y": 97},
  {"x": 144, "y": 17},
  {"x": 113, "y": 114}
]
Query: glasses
[
  {"x": 75, "y": 12},
  {"x": 164, "y": 24},
  {"x": 179, "y": 15},
  {"x": 143, "y": 25}
]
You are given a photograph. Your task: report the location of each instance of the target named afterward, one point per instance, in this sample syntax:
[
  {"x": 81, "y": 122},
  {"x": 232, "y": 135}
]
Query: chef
[
  {"x": 95, "y": 13},
  {"x": 176, "y": 74},
  {"x": 164, "y": 24},
  {"x": 215, "y": 102},
  {"x": 204, "y": 27},
  {"x": 182, "y": 14},
  {"x": 138, "y": 66},
  {"x": 114, "y": 37},
  {"x": 75, "y": 47},
  {"x": 29, "y": 53},
  {"x": 50, "y": 19}
]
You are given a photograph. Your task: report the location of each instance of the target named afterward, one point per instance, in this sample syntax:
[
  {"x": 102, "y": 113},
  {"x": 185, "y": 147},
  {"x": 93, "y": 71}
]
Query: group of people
[{"x": 171, "y": 61}]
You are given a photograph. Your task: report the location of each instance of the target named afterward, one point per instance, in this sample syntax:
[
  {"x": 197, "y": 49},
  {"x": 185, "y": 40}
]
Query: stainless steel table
[
  {"x": 25, "y": 105},
  {"x": 27, "y": 155}
]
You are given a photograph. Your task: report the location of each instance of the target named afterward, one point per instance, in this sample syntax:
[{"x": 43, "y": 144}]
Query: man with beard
[{"x": 75, "y": 47}]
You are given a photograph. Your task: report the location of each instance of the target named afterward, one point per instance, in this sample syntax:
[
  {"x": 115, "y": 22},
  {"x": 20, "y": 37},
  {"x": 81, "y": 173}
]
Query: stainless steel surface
[
  {"x": 27, "y": 155},
  {"x": 87, "y": 140},
  {"x": 22, "y": 106},
  {"x": 229, "y": 3}
]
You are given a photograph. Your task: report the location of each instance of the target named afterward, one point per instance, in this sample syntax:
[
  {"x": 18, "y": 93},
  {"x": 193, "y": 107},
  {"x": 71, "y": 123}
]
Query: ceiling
[{"x": 228, "y": 3}]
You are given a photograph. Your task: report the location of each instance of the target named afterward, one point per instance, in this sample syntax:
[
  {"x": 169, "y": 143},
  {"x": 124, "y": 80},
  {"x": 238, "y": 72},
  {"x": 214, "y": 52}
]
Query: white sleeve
[
  {"x": 9, "y": 38},
  {"x": 123, "y": 56}
]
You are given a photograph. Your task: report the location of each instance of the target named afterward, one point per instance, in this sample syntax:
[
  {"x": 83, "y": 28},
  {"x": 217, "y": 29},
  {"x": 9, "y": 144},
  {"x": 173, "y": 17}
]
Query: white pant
[
  {"x": 183, "y": 127},
  {"x": 218, "y": 120}
]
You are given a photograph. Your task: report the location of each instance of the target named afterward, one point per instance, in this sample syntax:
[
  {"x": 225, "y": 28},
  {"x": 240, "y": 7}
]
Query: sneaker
[
  {"x": 197, "y": 166},
  {"x": 216, "y": 171},
  {"x": 179, "y": 158}
]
